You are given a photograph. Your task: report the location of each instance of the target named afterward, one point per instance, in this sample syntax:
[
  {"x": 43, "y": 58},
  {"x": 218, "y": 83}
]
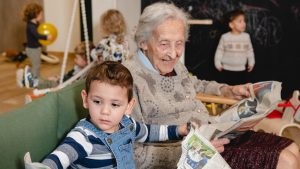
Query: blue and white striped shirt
[{"x": 83, "y": 149}]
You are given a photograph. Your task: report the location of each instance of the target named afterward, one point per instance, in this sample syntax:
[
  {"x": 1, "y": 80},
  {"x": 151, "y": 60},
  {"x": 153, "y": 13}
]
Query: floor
[{"x": 12, "y": 96}]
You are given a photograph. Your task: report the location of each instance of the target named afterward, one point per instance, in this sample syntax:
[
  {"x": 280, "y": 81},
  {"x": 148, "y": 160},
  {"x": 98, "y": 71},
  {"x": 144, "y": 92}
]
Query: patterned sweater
[
  {"x": 109, "y": 49},
  {"x": 83, "y": 149},
  {"x": 234, "y": 51},
  {"x": 166, "y": 100}
]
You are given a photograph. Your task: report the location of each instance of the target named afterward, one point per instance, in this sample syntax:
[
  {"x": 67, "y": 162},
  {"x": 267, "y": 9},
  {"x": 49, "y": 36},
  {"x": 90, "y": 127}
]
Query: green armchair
[{"x": 39, "y": 126}]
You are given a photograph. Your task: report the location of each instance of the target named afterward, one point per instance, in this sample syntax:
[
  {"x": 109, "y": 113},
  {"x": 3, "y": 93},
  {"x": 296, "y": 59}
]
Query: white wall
[
  {"x": 59, "y": 12},
  {"x": 131, "y": 10}
]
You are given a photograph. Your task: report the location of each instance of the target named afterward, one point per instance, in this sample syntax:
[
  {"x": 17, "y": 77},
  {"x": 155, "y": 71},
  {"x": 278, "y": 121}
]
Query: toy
[{"x": 47, "y": 29}]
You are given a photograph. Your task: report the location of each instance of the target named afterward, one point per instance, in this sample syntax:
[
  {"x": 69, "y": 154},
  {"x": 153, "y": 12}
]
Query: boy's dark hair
[
  {"x": 113, "y": 73},
  {"x": 81, "y": 50},
  {"x": 31, "y": 11},
  {"x": 235, "y": 13}
]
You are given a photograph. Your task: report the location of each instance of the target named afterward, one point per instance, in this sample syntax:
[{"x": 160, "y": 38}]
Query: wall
[
  {"x": 12, "y": 29},
  {"x": 59, "y": 13}
]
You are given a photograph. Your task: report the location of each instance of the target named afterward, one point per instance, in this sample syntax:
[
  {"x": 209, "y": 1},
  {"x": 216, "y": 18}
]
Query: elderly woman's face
[{"x": 166, "y": 45}]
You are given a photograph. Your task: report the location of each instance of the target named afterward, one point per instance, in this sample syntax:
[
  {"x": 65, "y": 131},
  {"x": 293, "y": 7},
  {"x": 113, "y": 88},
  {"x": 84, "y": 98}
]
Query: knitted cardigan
[{"x": 166, "y": 100}]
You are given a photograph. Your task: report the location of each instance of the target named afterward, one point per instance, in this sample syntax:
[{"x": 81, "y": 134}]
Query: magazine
[
  {"x": 264, "y": 98},
  {"x": 199, "y": 153}
]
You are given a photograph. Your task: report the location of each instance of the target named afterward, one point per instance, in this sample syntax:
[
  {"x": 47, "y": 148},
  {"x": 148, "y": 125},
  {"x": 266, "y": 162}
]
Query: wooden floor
[{"x": 12, "y": 96}]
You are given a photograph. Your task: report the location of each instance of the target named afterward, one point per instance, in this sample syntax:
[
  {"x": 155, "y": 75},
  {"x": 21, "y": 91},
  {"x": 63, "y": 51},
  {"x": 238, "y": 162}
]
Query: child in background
[
  {"x": 235, "y": 51},
  {"x": 113, "y": 46},
  {"x": 33, "y": 15},
  {"x": 80, "y": 61},
  {"x": 105, "y": 138}
]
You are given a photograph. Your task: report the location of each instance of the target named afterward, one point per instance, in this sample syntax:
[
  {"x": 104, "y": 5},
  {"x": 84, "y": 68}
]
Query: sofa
[{"x": 39, "y": 126}]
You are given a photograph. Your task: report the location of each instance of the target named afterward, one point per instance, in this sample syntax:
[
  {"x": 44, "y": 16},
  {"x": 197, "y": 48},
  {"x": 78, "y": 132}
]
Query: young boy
[
  {"x": 105, "y": 138},
  {"x": 234, "y": 51},
  {"x": 33, "y": 15}
]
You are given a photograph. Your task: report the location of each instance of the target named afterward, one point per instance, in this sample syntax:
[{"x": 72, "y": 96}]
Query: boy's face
[
  {"x": 39, "y": 17},
  {"x": 79, "y": 61},
  {"x": 107, "y": 104},
  {"x": 238, "y": 25}
]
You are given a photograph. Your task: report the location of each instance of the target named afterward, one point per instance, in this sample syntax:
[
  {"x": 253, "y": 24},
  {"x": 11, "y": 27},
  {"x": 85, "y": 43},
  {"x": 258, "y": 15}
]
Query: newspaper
[
  {"x": 199, "y": 153},
  {"x": 33, "y": 165},
  {"x": 264, "y": 98}
]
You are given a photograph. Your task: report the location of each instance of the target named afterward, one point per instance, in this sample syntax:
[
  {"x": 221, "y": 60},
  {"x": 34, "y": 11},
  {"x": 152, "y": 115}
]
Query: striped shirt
[{"x": 83, "y": 149}]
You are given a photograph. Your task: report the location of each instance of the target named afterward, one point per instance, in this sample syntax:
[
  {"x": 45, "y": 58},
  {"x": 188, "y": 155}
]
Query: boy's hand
[
  {"x": 49, "y": 37},
  {"x": 220, "y": 69},
  {"x": 183, "y": 129},
  {"x": 250, "y": 68}
]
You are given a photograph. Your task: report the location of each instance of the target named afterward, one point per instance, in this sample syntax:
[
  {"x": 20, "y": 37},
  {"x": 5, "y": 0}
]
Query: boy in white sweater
[{"x": 235, "y": 51}]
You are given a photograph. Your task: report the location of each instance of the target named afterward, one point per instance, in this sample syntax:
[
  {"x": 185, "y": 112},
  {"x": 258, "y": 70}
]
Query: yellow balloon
[{"x": 47, "y": 29}]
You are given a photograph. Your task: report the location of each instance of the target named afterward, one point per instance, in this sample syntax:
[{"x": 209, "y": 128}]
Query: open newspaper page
[
  {"x": 264, "y": 98},
  {"x": 199, "y": 153}
]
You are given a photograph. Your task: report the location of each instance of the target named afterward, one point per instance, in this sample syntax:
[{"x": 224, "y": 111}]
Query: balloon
[{"x": 47, "y": 29}]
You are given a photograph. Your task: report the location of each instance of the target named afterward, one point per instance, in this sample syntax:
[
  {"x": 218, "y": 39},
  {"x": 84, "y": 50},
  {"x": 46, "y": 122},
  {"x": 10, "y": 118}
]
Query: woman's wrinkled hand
[
  {"x": 219, "y": 144},
  {"x": 236, "y": 92}
]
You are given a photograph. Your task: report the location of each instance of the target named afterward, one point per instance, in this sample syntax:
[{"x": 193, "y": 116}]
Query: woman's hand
[
  {"x": 219, "y": 144},
  {"x": 236, "y": 92},
  {"x": 247, "y": 125}
]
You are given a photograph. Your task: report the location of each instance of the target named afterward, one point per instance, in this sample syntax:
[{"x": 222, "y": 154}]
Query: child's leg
[
  {"x": 35, "y": 56},
  {"x": 44, "y": 84}
]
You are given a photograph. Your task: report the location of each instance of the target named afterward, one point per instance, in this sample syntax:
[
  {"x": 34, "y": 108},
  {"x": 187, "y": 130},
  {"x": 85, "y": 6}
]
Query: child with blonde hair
[{"x": 113, "y": 45}]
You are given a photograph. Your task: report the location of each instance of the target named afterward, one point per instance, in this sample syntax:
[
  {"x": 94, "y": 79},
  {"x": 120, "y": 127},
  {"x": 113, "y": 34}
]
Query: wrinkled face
[
  {"x": 238, "y": 25},
  {"x": 107, "y": 104},
  {"x": 166, "y": 45},
  {"x": 79, "y": 61}
]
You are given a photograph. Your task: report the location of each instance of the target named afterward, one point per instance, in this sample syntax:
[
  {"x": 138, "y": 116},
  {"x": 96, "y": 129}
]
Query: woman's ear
[
  {"x": 84, "y": 97},
  {"x": 230, "y": 25},
  {"x": 130, "y": 106},
  {"x": 144, "y": 46}
]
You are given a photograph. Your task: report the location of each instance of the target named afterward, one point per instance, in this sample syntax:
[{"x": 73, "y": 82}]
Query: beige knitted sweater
[
  {"x": 234, "y": 51},
  {"x": 166, "y": 100}
]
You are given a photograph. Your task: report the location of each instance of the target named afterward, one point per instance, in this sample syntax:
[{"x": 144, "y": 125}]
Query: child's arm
[
  {"x": 219, "y": 55},
  {"x": 73, "y": 147},
  {"x": 153, "y": 133},
  {"x": 250, "y": 56},
  {"x": 33, "y": 30}
]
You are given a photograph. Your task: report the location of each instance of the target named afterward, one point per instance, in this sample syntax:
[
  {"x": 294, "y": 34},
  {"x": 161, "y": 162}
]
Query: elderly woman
[{"x": 165, "y": 93}]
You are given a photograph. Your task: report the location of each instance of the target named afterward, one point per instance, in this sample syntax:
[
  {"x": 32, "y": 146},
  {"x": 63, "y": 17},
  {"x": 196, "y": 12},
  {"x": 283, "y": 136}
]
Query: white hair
[{"x": 156, "y": 14}]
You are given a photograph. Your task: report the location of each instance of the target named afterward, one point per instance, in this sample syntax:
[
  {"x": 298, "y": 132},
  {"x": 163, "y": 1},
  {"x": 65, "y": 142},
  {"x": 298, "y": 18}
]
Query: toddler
[
  {"x": 235, "y": 51},
  {"x": 105, "y": 138},
  {"x": 33, "y": 15},
  {"x": 113, "y": 46}
]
